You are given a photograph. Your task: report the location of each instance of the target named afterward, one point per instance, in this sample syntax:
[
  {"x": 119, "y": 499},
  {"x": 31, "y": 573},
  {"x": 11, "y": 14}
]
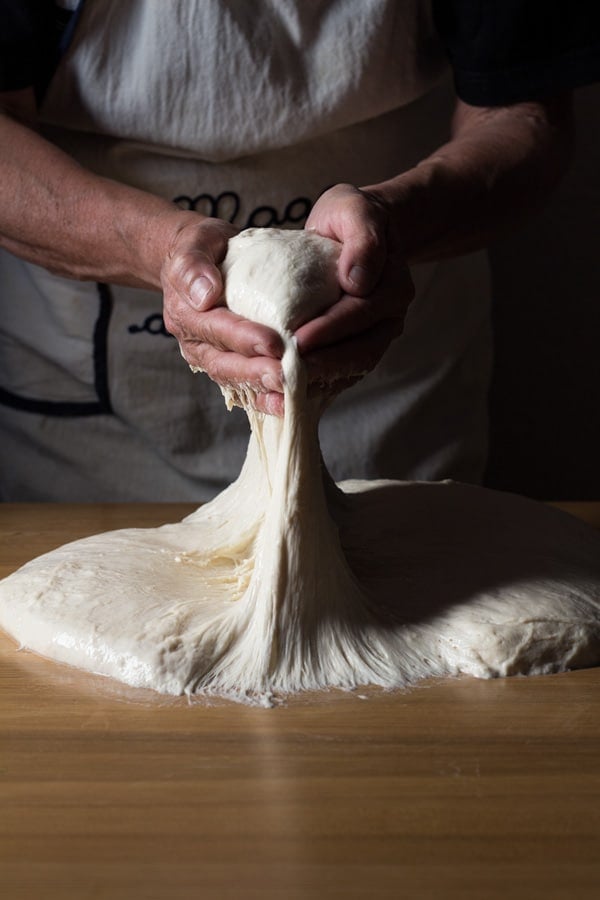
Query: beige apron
[{"x": 247, "y": 111}]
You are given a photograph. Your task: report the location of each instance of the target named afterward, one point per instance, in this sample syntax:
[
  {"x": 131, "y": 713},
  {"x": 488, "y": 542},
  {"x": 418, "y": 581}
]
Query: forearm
[
  {"x": 58, "y": 215},
  {"x": 500, "y": 164}
]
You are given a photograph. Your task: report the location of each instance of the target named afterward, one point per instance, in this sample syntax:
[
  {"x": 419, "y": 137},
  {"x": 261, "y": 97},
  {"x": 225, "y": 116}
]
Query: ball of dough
[{"x": 281, "y": 278}]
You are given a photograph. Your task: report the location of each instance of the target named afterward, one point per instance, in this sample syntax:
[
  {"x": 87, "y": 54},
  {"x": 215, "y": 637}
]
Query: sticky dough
[{"x": 286, "y": 582}]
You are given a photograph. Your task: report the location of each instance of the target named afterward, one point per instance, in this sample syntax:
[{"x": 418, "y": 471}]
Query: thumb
[
  {"x": 205, "y": 284},
  {"x": 360, "y": 266},
  {"x": 191, "y": 267},
  {"x": 358, "y": 222},
  {"x": 364, "y": 252}
]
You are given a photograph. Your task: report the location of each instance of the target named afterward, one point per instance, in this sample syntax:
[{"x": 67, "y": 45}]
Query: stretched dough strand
[{"x": 286, "y": 582}]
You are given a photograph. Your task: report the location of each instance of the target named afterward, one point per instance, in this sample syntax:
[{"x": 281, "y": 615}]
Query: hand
[
  {"x": 349, "y": 339},
  {"x": 230, "y": 349}
]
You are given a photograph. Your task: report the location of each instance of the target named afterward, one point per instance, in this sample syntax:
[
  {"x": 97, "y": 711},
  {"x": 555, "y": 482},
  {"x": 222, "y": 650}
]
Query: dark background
[{"x": 545, "y": 396}]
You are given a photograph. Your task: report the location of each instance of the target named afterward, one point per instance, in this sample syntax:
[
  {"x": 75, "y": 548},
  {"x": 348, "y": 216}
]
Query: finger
[
  {"x": 228, "y": 331},
  {"x": 272, "y": 404},
  {"x": 260, "y": 374},
  {"x": 353, "y": 357},
  {"x": 333, "y": 388},
  {"x": 352, "y": 315}
]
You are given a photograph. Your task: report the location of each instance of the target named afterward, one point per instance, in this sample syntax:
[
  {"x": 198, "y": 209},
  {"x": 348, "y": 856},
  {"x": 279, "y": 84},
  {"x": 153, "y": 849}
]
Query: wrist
[
  {"x": 432, "y": 208},
  {"x": 401, "y": 198},
  {"x": 144, "y": 229},
  {"x": 152, "y": 241}
]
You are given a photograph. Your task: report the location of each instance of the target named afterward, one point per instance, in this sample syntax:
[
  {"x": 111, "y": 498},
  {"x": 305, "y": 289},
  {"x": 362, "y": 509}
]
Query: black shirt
[{"x": 505, "y": 51}]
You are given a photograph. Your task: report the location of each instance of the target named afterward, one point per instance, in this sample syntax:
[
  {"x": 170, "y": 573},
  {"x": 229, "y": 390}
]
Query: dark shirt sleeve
[
  {"x": 31, "y": 34},
  {"x": 506, "y": 51},
  {"x": 16, "y": 45}
]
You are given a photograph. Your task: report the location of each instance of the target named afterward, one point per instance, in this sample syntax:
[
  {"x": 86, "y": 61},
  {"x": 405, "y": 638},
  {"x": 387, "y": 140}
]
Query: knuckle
[
  {"x": 208, "y": 360},
  {"x": 208, "y": 329},
  {"x": 362, "y": 313},
  {"x": 341, "y": 189},
  {"x": 365, "y": 312},
  {"x": 370, "y": 239},
  {"x": 172, "y": 324}
]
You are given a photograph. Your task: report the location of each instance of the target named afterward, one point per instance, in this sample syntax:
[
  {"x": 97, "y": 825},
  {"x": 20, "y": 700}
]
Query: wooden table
[{"x": 457, "y": 789}]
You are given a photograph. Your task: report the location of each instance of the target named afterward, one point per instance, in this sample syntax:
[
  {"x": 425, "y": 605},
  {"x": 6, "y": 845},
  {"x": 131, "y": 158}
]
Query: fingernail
[
  {"x": 261, "y": 350},
  {"x": 199, "y": 291},
  {"x": 271, "y": 382},
  {"x": 273, "y": 406},
  {"x": 359, "y": 276}
]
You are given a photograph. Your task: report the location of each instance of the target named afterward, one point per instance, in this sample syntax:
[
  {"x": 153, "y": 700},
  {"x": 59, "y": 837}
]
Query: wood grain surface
[{"x": 457, "y": 789}]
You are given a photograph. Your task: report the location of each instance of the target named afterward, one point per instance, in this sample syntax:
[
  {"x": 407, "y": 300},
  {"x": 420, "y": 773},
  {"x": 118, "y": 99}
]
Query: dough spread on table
[{"x": 286, "y": 582}]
